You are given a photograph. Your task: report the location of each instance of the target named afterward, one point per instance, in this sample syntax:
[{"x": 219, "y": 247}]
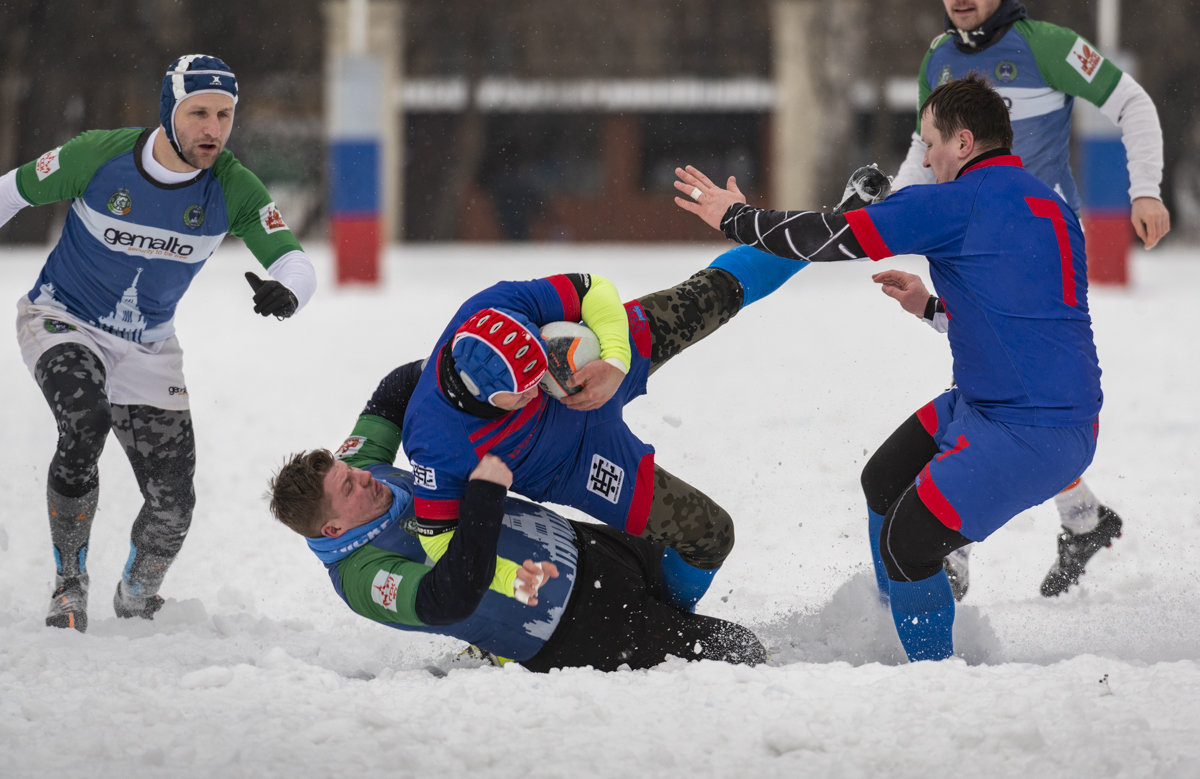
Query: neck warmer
[
  {"x": 330, "y": 550},
  {"x": 969, "y": 41}
]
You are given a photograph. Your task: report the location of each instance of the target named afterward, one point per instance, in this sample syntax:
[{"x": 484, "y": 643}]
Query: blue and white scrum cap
[{"x": 192, "y": 74}]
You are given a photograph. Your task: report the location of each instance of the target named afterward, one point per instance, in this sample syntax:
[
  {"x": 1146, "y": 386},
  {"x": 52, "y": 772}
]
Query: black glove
[
  {"x": 271, "y": 297},
  {"x": 865, "y": 186}
]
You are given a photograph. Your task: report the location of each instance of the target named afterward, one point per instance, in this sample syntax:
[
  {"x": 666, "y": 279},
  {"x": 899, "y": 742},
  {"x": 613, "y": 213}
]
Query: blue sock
[
  {"x": 683, "y": 584},
  {"x": 759, "y": 273},
  {"x": 874, "y": 525},
  {"x": 924, "y": 615}
]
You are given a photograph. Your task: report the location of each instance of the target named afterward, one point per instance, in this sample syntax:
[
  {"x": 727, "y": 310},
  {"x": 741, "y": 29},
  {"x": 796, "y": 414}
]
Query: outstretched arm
[{"x": 797, "y": 235}]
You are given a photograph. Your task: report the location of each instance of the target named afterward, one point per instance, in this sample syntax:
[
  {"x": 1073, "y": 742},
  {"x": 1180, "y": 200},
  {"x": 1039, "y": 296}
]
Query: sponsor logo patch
[
  {"x": 193, "y": 216},
  {"x": 47, "y": 164},
  {"x": 424, "y": 476},
  {"x": 605, "y": 479},
  {"x": 350, "y": 447},
  {"x": 147, "y": 244},
  {"x": 57, "y": 326},
  {"x": 1006, "y": 71},
  {"x": 121, "y": 203},
  {"x": 272, "y": 220},
  {"x": 176, "y": 391},
  {"x": 383, "y": 589},
  {"x": 1085, "y": 59}
]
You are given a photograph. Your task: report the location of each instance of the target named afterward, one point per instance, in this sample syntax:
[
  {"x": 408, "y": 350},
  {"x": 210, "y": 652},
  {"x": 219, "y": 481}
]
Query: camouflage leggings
[
  {"x": 159, "y": 444},
  {"x": 682, "y": 516}
]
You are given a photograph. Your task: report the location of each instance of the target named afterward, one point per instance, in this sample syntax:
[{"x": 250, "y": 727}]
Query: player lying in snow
[{"x": 583, "y": 594}]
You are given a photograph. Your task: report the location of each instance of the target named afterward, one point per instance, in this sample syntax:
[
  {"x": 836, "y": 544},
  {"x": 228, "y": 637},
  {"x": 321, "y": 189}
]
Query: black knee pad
[{"x": 913, "y": 541}]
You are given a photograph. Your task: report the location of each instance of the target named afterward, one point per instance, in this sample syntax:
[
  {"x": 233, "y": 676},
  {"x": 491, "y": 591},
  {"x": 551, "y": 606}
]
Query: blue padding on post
[
  {"x": 354, "y": 177},
  {"x": 1104, "y": 179}
]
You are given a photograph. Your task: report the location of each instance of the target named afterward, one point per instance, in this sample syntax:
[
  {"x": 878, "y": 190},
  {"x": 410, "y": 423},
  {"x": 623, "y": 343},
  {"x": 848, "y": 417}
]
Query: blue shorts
[{"x": 987, "y": 472}]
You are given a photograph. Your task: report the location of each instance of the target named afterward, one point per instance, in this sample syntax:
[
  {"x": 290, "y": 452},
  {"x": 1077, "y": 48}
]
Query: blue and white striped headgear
[{"x": 192, "y": 74}]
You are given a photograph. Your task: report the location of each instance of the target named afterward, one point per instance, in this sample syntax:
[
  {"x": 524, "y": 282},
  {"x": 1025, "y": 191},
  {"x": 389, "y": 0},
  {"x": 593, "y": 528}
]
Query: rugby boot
[
  {"x": 68, "y": 604},
  {"x": 1076, "y": 549},
  {"x": 129, "y": 605},
  {"x": 956, "y": 565}
]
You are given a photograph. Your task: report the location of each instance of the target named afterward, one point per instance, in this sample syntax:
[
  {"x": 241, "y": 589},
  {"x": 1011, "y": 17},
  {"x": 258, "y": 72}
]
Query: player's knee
[{"x": 913, "y": 542}]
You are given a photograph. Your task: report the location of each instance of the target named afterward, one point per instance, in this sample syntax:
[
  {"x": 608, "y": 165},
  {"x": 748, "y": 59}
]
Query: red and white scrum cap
[{"x": 498, "y": 351}]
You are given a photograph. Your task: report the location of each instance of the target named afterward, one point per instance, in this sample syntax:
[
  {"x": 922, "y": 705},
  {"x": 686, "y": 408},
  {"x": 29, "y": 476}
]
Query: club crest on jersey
[
  {"x": 605, "y": 478},
  {"x": 384, "y": 588},
  {"x": 1085, "y": 59},
  {"x": 121, "y": 202},
  {"x": 193, "y": 216},
  {"x": 47, "y": 163},
  {"x": 271, "y": 219},
  {"x": 945, "y": 76},
  {"x": 350, "y": 447},
  {"x": 1006, "y": 71},
  {"x": 424, "y": 476},
  {"x": 57, "y": 326}
]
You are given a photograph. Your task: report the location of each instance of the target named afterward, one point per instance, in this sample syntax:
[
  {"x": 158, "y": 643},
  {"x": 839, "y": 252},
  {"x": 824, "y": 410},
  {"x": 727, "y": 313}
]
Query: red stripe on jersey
[
  {"x": 927, "y": 416},
  {"x": 572, "y": 308},
  {"x": 869, "y": 237},
  {"x": 643, "y": 496},
  {"x": 639, "y": 327},
  {"x": 435, "y": 509},
  {"x": 936, "y": 502},
  {"x": 515, "y": 421}
]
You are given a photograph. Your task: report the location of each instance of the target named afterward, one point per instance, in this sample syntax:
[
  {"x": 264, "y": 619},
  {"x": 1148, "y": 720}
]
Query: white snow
[{"x": 254, "y": 667}]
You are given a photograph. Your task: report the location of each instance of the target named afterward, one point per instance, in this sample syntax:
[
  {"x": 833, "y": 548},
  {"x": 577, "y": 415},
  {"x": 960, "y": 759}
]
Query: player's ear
[{"x": 330, "y": 530}]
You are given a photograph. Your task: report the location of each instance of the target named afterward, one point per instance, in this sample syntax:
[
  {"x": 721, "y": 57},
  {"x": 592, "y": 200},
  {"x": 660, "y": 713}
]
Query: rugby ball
[{"x": 569, "y": 347}]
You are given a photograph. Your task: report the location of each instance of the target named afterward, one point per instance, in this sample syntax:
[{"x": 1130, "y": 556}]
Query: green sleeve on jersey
[
  {"x": 382, "y": 585},
  {"x": 64, "y": 173},
  {"x": 253, "y": 216},
  {"x": 1065, "y": 58},
  {"x": 381, "y": 442},
  {"x": 923, "y": 88},
  {"x": 603, "y": 312},
  {"x": 506, "y": 570}
]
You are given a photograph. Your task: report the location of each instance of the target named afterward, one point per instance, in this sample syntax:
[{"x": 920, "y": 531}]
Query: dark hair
[
  {"x": 298, "y": 492},
  {"x": 970, "y": 103}
]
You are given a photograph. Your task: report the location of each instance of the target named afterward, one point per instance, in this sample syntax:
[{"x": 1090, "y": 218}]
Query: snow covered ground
[{"x": 254, "y": 668}]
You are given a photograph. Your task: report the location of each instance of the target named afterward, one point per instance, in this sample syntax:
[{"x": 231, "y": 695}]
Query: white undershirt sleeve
[
  {"x": 913, "y": 170},
  {"x": 1131, "y": 109},
  {"x": 295, "y": 271},
  {"x": 10, "y": 197}
]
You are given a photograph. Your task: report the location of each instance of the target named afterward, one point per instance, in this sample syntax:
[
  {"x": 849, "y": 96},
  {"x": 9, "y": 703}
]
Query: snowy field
[{"x": 254, "y": 668}]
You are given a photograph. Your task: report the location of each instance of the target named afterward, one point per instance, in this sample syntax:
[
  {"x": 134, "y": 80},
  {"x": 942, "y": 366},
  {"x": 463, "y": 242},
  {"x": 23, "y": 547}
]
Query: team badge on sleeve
[
  {"x": 47, "y": 163},
  {"x": 271, "y": 219},
  {"x": 1085, "y": 59},
  {"x": 383, "y": 589},
  {"x": 350, "y": 447}
]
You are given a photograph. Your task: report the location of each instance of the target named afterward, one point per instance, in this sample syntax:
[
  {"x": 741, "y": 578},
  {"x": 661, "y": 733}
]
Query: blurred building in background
[{"x": 551, "y": 119}]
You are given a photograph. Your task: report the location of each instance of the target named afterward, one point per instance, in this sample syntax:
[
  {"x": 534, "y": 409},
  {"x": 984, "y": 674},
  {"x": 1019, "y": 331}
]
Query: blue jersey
[
  {"x": 586, "y": 459},
  {"x": 375, "y": 569},
  {"x": 1039, "y": 69},
  {"x": 1007, "y": 258},
  {"x": 131, "y": 246}
]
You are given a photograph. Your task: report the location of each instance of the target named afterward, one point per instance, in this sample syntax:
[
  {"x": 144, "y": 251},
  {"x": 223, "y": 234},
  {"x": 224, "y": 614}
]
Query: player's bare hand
[
  {"x": 906, "y": 288},
  {"x": 599, "y": 380},
  {"x": 704, "y": 198},
  {"x": 492, "y": 468},
  {"x": 1151, "y": 220},
  {"x": 530, "y": 577}
]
